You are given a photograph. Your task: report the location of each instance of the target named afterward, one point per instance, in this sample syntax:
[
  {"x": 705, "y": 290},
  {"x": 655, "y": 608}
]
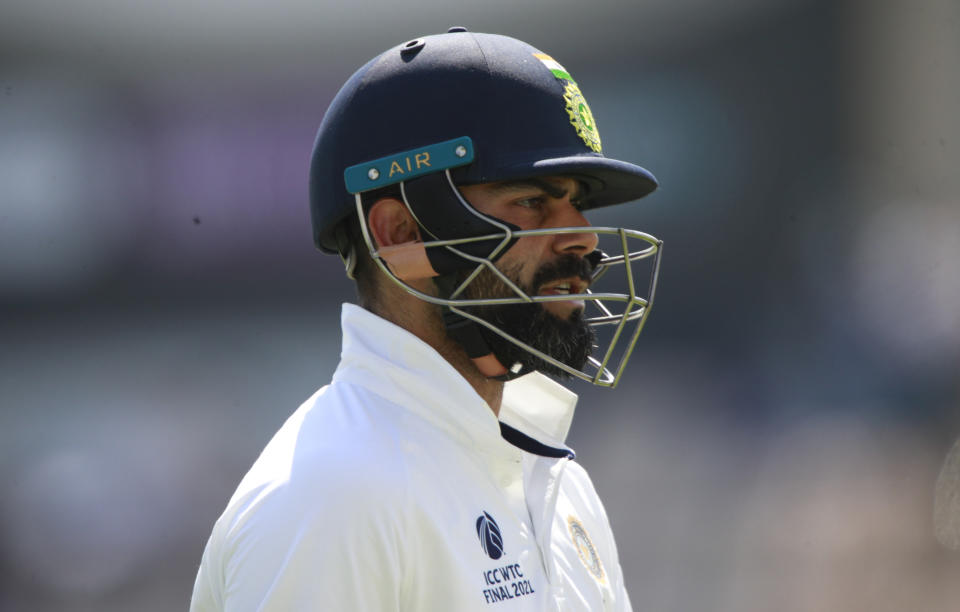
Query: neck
[
  {"x": 425, "y": 321},
  {"x": 489, "y": 389}
]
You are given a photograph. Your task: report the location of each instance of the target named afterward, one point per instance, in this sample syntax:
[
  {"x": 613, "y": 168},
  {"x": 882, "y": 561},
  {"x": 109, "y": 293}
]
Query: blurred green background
[{"x": 777, "y": 438}]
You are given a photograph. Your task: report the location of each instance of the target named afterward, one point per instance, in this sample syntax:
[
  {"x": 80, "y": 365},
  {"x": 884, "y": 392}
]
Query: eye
[{"x": 534, "y": 202}]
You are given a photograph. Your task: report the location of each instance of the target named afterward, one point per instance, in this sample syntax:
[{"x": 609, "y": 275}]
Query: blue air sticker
[
  {"x": 504, "y": 582},
  {"x": 408, "y": 164}
]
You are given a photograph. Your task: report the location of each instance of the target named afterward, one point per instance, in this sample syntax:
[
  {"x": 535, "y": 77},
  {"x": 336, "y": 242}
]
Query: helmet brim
[{"x": 610, "y": 181}]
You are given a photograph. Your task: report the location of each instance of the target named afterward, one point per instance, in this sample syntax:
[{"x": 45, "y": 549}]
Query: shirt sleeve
[{"x": 592, "y": 512}]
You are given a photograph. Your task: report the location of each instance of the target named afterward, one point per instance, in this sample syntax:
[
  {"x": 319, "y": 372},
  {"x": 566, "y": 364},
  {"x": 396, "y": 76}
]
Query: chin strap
[
  {"x": 440, "y": 210},
  {"x": 467, "y": 334}
]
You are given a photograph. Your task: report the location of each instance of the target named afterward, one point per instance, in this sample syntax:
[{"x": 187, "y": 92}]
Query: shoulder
[
  {"x": 578, "y": 486},
  {"x": 338, "y": 456},
  {"x": 326, "y": 494}
]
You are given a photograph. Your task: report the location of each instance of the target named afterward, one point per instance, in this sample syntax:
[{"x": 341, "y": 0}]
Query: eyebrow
[{"x": 552, "y": 190}]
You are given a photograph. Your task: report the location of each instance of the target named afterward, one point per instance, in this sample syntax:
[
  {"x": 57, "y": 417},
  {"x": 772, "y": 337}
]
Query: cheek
[{"x": 523, "y": 260}]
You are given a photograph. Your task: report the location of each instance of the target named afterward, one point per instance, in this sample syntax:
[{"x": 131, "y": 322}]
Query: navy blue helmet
[
  {"x": 444, "y": 111},
  {"x": 523, "y": 112}
]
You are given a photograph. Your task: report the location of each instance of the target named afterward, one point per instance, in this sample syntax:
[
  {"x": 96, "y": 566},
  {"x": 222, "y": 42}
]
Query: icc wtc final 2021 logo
[
  {"x": 504, "y": 582},
  {"x": 490, "y": 537}
]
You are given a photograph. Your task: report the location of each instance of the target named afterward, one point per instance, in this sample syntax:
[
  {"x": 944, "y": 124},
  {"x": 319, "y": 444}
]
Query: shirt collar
[
  {"x": 396, "y": 364},
  {"x": 540, "y": 407}
]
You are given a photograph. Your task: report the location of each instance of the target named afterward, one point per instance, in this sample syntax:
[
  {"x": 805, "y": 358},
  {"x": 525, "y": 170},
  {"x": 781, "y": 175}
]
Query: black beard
[{"x": 570, "y": 341}]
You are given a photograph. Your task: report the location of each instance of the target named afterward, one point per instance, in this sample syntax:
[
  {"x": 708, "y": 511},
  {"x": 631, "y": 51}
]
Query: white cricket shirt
[{"x": 396, "y": 488}]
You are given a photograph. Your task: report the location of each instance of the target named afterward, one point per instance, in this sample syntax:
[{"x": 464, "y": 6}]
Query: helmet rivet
[
  {"x": 461, "y": 151},
  {"x": 412, "y": 48},
  {"x": 373, "y": 174}
]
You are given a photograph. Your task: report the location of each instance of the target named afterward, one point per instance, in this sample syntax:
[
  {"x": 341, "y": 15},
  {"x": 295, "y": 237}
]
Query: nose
[{"x": 581, "y": 243}]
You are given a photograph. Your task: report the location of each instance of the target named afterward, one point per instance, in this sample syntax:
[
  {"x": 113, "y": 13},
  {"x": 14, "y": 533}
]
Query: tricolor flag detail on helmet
[{"x": 558, "y": 71}]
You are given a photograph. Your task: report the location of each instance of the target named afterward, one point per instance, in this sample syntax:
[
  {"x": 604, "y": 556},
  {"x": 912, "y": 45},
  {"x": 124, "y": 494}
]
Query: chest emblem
[
  {"x": 584, "y": 546},
  {"x": 491, "y": 540}
]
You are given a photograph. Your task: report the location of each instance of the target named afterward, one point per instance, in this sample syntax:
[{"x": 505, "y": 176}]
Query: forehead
[{"x": 554, "y": 186}]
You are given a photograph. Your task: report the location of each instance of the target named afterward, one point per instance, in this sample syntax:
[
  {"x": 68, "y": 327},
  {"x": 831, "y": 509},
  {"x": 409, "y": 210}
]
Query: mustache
[{"x": 565, "y": 266}]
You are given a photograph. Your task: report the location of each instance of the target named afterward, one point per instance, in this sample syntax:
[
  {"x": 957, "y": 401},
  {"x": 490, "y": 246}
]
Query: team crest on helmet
[
  {"x": 577, "y": 108},
  {"x": 581, "y": 117},
  {"x": 584, "y": 546}
]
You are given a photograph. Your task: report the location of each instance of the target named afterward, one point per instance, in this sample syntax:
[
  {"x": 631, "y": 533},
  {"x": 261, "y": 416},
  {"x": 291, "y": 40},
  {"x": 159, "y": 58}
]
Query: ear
[
  {"x": 397, "y": 235},
  {"x": 391, "y": 224}
]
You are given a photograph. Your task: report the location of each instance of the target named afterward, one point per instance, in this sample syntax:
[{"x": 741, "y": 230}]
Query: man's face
[{"x": 540, "y": 265}]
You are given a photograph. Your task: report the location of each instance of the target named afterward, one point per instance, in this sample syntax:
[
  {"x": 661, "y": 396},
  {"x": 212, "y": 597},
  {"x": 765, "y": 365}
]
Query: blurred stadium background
[{"x": 776, "y": 443}]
